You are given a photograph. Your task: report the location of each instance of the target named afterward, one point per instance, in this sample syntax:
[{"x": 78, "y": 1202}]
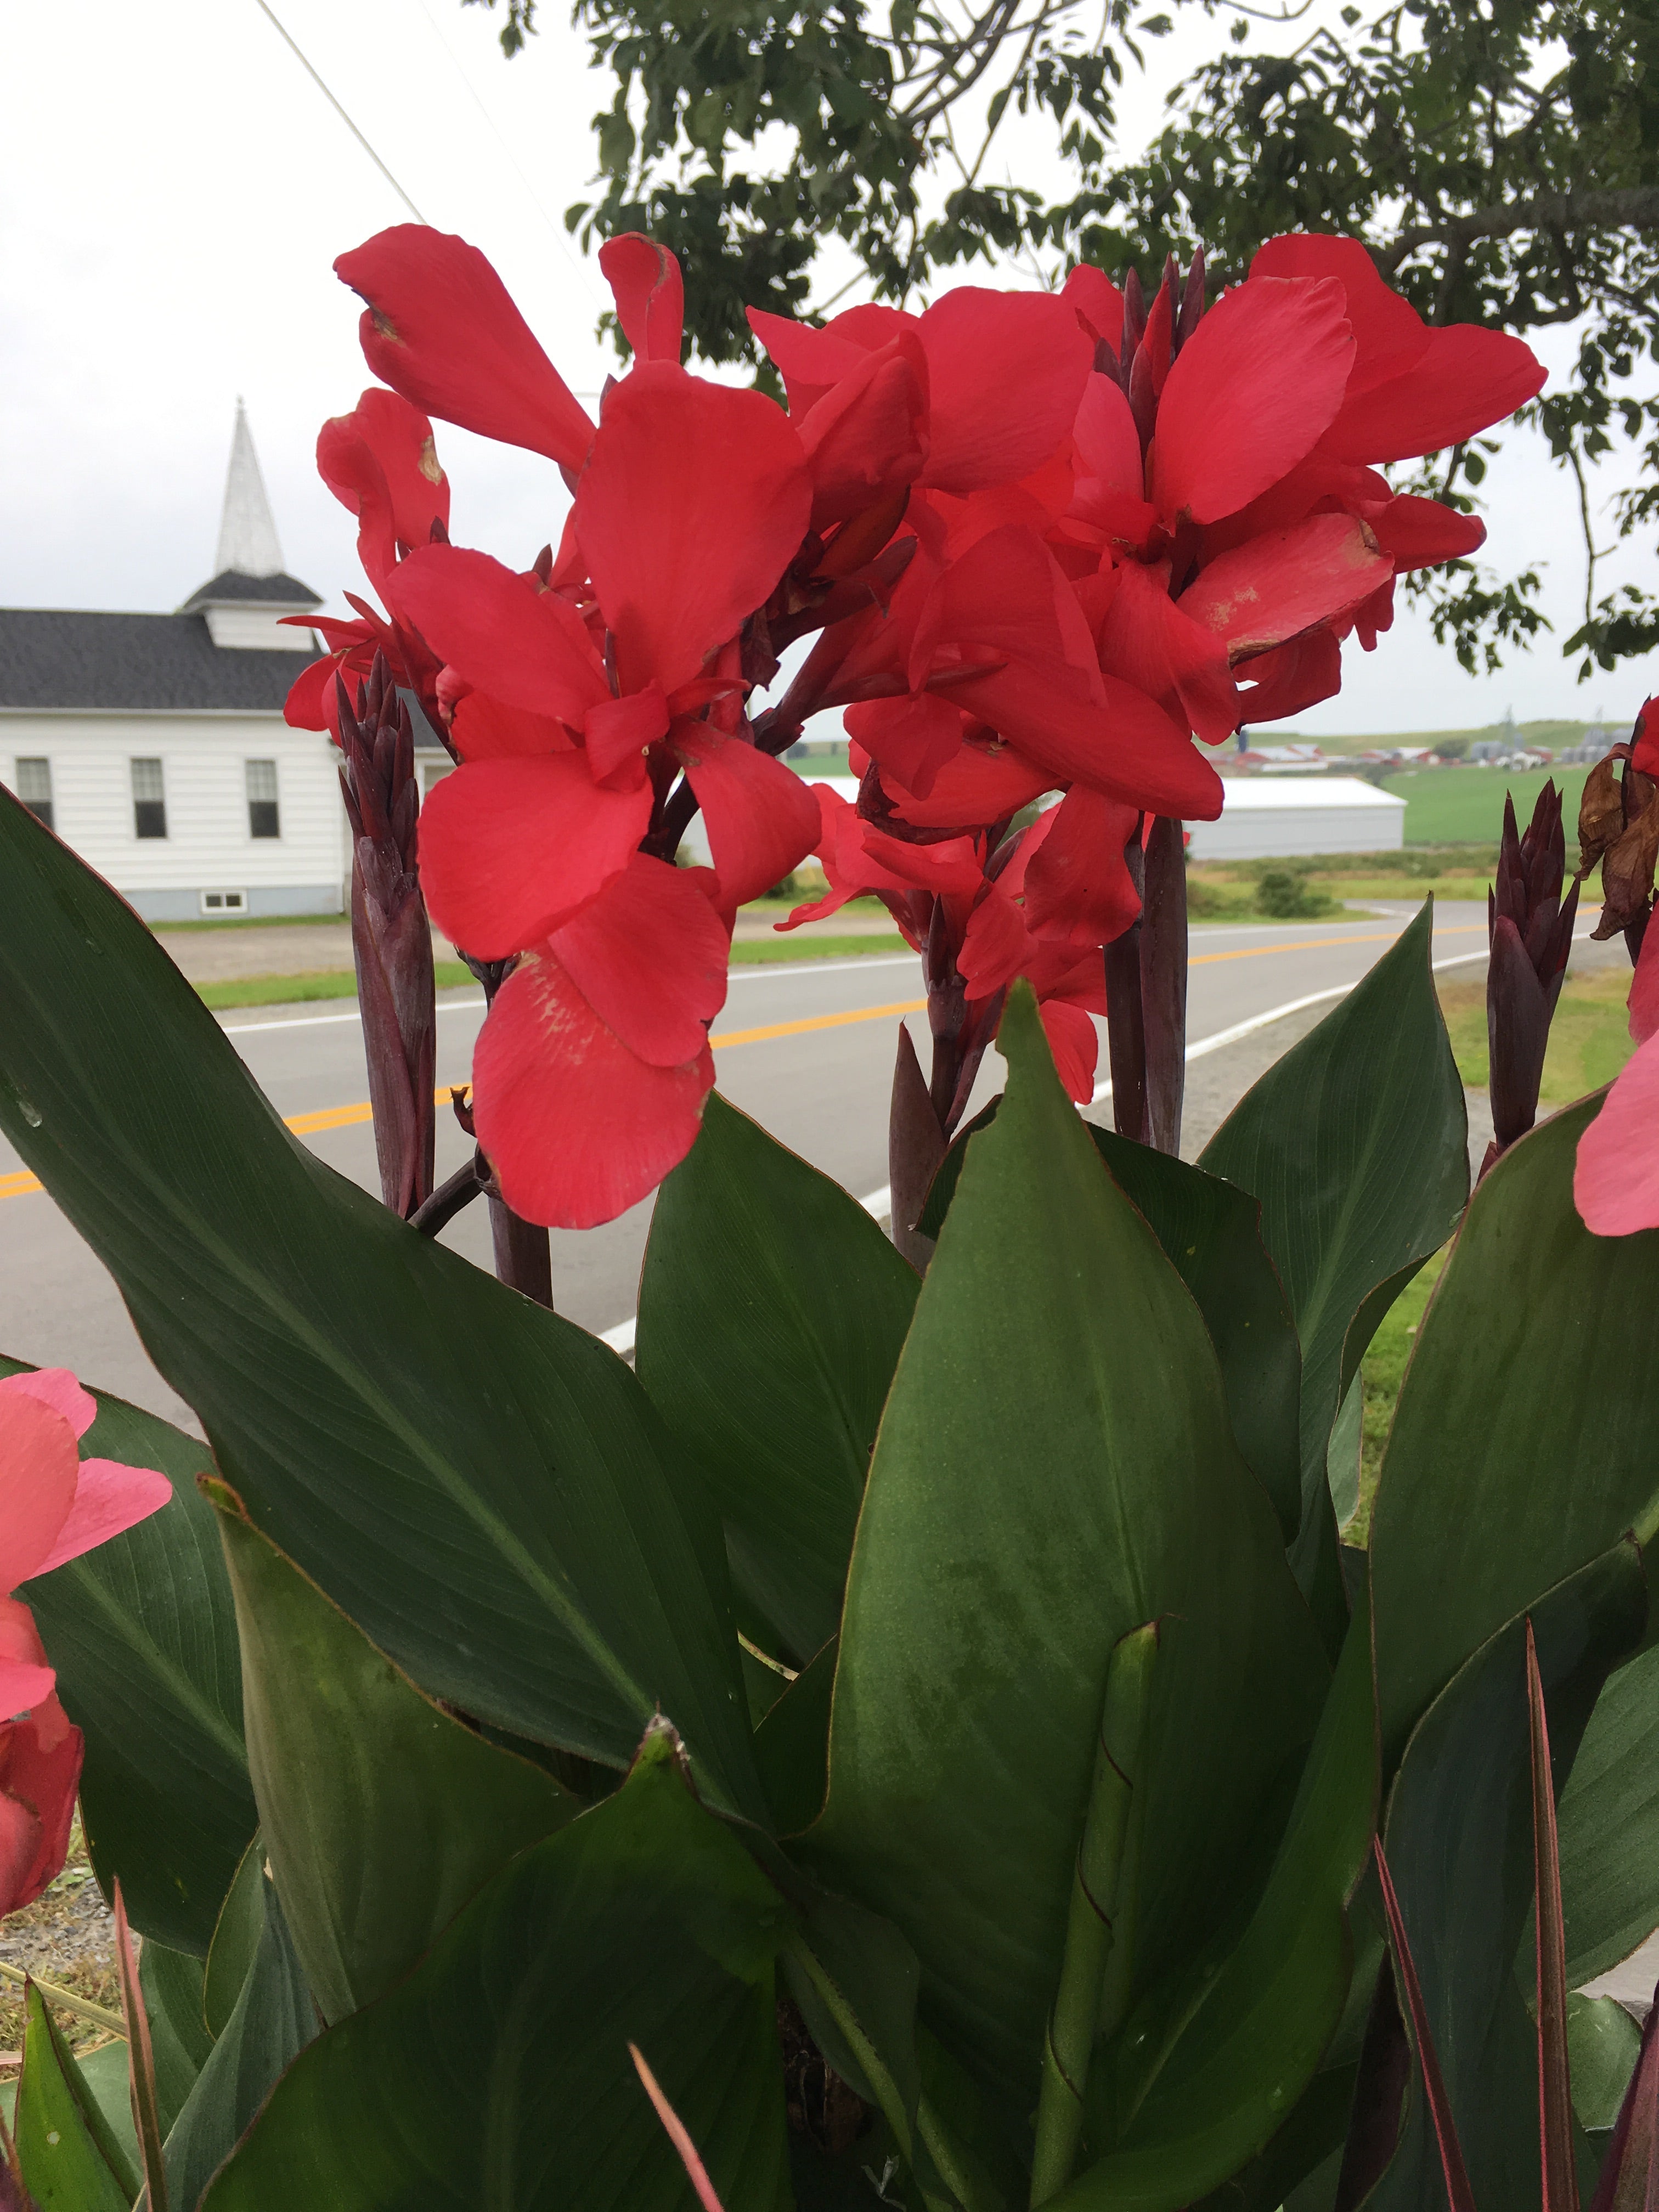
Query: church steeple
[
  {"x": 247, "y": 529},
  {"x": 251, "y": 592}
]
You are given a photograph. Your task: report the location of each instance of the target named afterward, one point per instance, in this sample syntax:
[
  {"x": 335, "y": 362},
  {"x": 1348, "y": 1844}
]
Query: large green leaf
[
  {"x": 498, "y": 2073},
  {"x": 772, "y": 1310},
  {"x": 1523, "y": 1443},
  {"x": 1603, "y": 2045},
  {"x": 1238, "y": 2065},
  {"x": 485, "y": 1488},
  {"x": 270, "y": 2023},
  {"x": 180, "y": 2041},
  {"x": 71, "y": 2159},
  {"x": 142, "y": 1635},
  {"x": 1055, "y": 1466},
  {"x": 1357, "y": 1144},
  {"x": 236, "y": 1938},
  {"x": 381, "y": 1814},
  {"x": 1210, "y": 1233},
  {"x": 1609, "y": 1825},
  {"x": 1459, "y": 1838}
]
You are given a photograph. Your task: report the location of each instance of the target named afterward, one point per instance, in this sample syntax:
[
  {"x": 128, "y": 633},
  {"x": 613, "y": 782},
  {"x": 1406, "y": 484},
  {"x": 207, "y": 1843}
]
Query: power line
[{"x": 267, "y": 10}]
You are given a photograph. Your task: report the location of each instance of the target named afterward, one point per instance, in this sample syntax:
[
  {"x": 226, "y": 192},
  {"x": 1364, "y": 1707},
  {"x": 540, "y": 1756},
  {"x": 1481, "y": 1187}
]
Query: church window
[
  {"x": 35, "y": 787},
  {"x": 150, "y": 804},
  {"x": 264, "y": 819}
]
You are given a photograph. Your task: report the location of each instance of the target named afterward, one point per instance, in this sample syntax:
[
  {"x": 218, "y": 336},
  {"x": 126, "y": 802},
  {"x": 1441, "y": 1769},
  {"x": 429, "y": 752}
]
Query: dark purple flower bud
[
  {"x": 1529, "y": 929},
  {"x": 391, "y": 936}
]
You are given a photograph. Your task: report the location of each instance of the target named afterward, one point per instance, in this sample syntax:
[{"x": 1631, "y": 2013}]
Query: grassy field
[
  {"x": 1381, "y": 1373},
  {"x": 1229, "y": 891},
  {"x": 1589, "y": 1040},
  {"x": 1465, "y": 806}
]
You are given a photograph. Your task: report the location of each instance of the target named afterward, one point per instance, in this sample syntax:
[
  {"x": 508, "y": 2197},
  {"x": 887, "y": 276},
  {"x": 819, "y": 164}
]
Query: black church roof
[
  {"x": 230, "y": 587},
  {"x": 157, "y": 664}
]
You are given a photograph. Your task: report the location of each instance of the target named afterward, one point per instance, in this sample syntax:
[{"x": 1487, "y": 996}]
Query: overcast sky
[{"x": 173, "y": 189}]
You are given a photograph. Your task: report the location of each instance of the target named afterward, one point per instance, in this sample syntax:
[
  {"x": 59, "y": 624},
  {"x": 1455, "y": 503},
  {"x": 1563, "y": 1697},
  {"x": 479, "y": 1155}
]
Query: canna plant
[{"x": 944, "y": 1729}]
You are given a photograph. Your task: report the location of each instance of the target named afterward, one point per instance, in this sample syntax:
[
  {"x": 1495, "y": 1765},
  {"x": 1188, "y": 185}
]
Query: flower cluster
[
  {"x": 53, "y": 1506},
  {"x": 1045, "y": 539}
]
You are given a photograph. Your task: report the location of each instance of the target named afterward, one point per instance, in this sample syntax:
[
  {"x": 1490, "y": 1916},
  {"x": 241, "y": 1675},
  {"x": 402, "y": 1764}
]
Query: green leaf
[
  {"x": 142, "y": 1635},
  {"x": 1603, "y": 2043},
  {"x": 1356, "y": 1144},
  {"x": 180, "y": 2041},
  {"x": 1459, "y": 1837},
  {"x": 1055, "y": 1466},
  {"x": 791, "y": 1745},
  {"x": 498, "y": 2073},
  {"x": 1609, "y": 1825},
  {"x": 71, "y": 2157},
  {"x": 272, "y": 2020},
  {"x": 482, "y": 1487},
  {"x": 1521, "y": 1444},
  {"x": 235, "y": 1939},
  {"x": 1239, "y": 2064},
  {"x": 381, "y": 1815},
  {"x": 1210, "y": 1234},
  {"x": 772, "y": 1309}
]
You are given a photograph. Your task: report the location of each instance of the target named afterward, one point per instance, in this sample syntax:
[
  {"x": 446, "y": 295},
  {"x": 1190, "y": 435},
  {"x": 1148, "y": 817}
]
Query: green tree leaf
[
  {"x": 1210, "y": 1234},
  {"x": 142, "y": 1635},
  {"x": 772, "y": 1309},
  {"x": 380, "y": 1814},
  {"x": 482, "y": 1487},
  {"x": 1521, "y": 1444},
  {"x": 1356, "y": 1142},
  {"x": 71, "y": 2159},
  {"x": 498, "y": 2072},
  {"x": 1459, "y": 1837},
  {"x": 1055, "y": 1466}
]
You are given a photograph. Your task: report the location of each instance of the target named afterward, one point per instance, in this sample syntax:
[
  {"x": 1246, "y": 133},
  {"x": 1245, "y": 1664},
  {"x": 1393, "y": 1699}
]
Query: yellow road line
[{"x": 20, "y": 1182}]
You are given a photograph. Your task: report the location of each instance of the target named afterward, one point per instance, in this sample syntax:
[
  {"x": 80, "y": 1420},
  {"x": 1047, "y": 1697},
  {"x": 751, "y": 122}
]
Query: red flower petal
[
  {"x": 1097, "y": 302},
  {"x": 1645, "y": 989},
  {"x": 811, "y": 361},
  {"x": 618, "y": 730},
  {"x": 1645, "y": 754},
  {"x": 26, "y": 1674},
  {"x": 995, "y": 944},
  {"x": 527, "y": 648},
  {"x": 1290, "y": 676},
  {"x": 1389, "y": 335},
  {"x": 577, "y": 1127},
  {"x": 1251, "y": 392},
  {"x": 1075, "y": 1043},
  {"x": 1107, "y": 440},
  {"x": 761, "y": 819},
  {"x": 981, "y": 782},
  {"x": 1285, "y": 582},
  {"x": 649, "y": 956},
  {"x": 1418, "y": 534},
  {"x": 109, "y": 1499},
  {"x": 441, "y": 329},
  {"x": 306, "y": 706},
  {"x": 39, "y": 1467},
  {"x": 484, "y": 728},
  {"x": 693, "y": 501},
  {"x": 1005, "y": 372},
  {"x": 1615, "y": 1184},
  {"x": 39, "y": 1772},
  {"x": 1152, "y": 643},
  {"x": 510, "y": 848},
  {"x": 1078, "y": 886},
  {"x": 914, "y": 736},
  {"x": 647, "y": 286},
  {"x": 379, "y": 461},
  {"x": 1467, "y": 379},
  {"x": 867, "y": 438}
]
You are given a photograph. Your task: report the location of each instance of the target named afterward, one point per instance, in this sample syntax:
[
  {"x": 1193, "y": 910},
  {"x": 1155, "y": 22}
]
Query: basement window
[
  {"x": 224, "y": 902},
  {"x": 149, "y": 804}
]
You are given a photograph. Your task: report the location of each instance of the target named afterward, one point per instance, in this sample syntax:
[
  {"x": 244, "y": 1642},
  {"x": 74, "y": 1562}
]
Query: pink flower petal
[
  {"x": 1615, "y": 1185},
  {"x": 56, "y": 1387},
  {"x": 39, "y": 1467},
  {"x": 109, "y": 1499}
]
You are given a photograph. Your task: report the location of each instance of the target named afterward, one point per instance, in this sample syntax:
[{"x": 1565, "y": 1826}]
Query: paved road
[{"x": 808, "y": 1050}]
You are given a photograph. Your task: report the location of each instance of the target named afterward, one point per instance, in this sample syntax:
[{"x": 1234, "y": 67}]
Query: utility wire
[{"x": 267, "y": 10}]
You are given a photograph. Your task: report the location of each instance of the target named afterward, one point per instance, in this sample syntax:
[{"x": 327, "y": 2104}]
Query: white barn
[
  {"x": 155, "y": 744},
  {"x": 1276, "y": 818}
]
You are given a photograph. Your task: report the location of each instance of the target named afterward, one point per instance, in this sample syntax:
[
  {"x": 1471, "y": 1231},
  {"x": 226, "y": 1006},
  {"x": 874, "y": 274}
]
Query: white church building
[{"x": 155, "y": 744}]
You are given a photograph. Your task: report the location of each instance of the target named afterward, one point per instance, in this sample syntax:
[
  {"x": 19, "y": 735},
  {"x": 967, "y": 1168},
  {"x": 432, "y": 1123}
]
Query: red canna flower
[
  {"x": 1615, "y": 1184},
  {"x": 56, "y": 1506}
]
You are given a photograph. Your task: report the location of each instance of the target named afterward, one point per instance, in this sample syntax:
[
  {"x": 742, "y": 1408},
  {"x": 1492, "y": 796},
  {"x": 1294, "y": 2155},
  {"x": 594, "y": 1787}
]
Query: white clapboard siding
[{"x": 208, "y": 846}]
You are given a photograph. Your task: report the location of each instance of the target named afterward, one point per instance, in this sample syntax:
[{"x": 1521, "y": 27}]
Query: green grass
[
  {"x": 750, "y": 952},
  {"x": 1459, "y": 805},
  {"x": 1589, "y": 1039},
  {"x": 1381, "y": 1373},
  {"x": 250, "y": 921}
]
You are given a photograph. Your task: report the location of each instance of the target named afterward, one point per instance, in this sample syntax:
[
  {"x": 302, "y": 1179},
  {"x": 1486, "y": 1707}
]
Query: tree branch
[{"x": 1634, "y": 208}]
